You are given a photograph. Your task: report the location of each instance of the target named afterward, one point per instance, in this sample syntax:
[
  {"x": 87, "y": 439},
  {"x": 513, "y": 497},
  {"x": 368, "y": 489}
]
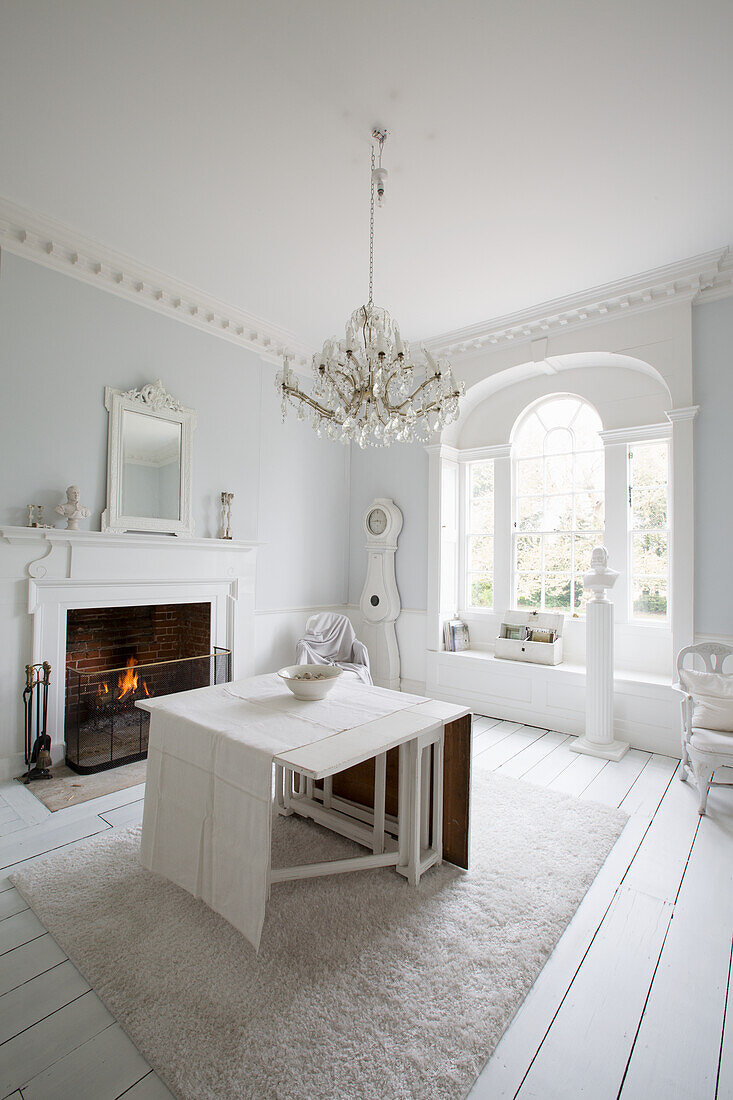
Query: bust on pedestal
[{"x": 598, "y": 739}]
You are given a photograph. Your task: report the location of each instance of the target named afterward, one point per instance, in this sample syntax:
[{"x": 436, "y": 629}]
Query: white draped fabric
[
  {"x": 329, "y": 639},
  {"x": 208, "y": 797}
]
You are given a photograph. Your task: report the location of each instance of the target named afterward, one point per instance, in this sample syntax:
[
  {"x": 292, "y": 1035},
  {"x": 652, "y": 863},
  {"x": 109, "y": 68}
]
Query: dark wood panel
[
  {"x": 357, "y": 784},
  {"x": 457, "y": 791}
]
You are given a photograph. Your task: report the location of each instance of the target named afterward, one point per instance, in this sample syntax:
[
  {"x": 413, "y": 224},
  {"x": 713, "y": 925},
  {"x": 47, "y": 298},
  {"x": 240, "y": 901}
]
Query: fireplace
[{"x": 118, "y": 655}]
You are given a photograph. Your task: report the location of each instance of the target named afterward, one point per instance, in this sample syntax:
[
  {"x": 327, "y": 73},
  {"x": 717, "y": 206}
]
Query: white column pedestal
[{"x": 599, "y": 739}]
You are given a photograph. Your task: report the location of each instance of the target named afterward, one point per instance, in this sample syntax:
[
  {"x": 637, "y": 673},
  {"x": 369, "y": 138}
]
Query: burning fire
[{"x": 127, "y": 683}]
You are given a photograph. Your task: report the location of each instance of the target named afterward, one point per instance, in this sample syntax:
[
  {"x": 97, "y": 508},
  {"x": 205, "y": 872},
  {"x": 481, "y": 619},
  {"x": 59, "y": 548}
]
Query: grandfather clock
[{"x": 380, "y": 600}]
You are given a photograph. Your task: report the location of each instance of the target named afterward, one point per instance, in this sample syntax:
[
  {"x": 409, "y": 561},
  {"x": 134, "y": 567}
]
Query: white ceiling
[{"x": 536, "y": 148}]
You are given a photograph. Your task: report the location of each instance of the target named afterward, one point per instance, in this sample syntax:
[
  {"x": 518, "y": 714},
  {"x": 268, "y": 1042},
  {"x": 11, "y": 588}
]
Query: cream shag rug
[{"x": 363, "y": 988}]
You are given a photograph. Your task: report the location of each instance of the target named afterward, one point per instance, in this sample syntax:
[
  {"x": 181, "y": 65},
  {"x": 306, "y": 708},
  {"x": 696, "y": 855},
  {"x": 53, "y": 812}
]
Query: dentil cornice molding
[
  {"x": 700, "y": 278},
  {"x": 49, "y": 242},
  {"x": 54, "y": 245}
]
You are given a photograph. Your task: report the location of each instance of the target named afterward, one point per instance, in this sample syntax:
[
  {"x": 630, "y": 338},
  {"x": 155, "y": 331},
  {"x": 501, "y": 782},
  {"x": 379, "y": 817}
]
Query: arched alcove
[{"x": 627, "y": 391}]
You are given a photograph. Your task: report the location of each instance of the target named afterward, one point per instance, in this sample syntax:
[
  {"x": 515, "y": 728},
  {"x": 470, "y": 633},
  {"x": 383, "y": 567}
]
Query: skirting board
[{"x": 413, "y": 687}]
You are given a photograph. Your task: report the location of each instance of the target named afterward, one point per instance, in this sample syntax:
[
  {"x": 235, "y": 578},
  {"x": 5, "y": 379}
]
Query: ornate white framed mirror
[{"x": 149, "y": 458}]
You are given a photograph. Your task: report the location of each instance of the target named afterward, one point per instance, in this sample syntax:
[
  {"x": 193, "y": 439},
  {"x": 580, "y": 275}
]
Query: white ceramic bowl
[{"x": 309, "y": 681}]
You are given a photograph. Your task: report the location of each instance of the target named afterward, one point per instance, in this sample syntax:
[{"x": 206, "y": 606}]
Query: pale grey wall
[
  {"x": 399, "y": 472},
  {"x": 62, "y": 341},
  {"x": 712, "y": 356}
]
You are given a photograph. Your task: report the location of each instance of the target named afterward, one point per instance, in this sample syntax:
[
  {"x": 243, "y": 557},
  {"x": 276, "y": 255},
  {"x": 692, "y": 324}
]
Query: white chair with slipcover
[
  {"x": 329, "y": 639},
  {"x": 707, "y": 716}
]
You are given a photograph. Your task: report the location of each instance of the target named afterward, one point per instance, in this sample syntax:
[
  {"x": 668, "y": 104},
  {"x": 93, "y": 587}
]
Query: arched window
[{"x": 558, "y": 502}]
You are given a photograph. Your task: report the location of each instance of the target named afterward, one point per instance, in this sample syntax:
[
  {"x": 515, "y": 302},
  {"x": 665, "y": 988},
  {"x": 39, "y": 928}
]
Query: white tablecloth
[{"x": 208, "y": 797}]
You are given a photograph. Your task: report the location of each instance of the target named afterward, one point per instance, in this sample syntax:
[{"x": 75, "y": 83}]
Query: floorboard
[
  {"x": 508, "y": 747},
  {"x": 11, "y": 902},
  {"x": 38, "y": 1047},
  {"x": 38, "y": 998},
  {"x": 504, "y": 1073},
  {"x": 547, "y": 769},
  {"x": 124, "y": 815},
  {"x": 26, "y": 962},
  {"x": 612, "y": 785},
  {"x": 149, "y": 1087},
  {"x": 605, "y": 1001},
  {"x": 518, "y": 766},
  {"x": 19, "y": 929},
  {"x": 581, "y": 771},
  {"x": 102, "y": 1068},
  {"x": 676, "y": 1049}
]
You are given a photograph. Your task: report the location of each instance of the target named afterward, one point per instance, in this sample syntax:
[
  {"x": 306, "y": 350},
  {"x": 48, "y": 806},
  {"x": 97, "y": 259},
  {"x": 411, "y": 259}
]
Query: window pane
[
  {"x": 589, "y": 511},
  {"x": 529, "y": 553},
  {"x": 558, "y": 550},
  {"x": 558, "y": 473},
  {"x": 649, "y": 507},
  {"x": 560, "y": 498},
  {"x": 585, "y": 427},
  {"x": 649, "y": 597},
  {"x": 590, "y": 470},
  {"x": 530, "y": 437},
  {"x": 529, "y": 513},
  {"x": 481, "y": 554},
  {"x": 558, "y": 412},
  {"x": 558, "y": 441},
  {"x": 482, "y": 515},
  {"x": 557, "y": 591},
  {"x": 529, "y": 476},
  {"x": 482, "y": 479},
  {"x": 648, "y": 464},
  {"x": 649, "y": 555},
  {"x": 559, "y": 513},
  {"x": 580, "y": 597},
  {"x": 481, "y": 590},
  {"x": 584, "y": 545},
  {"x": 529, "y": 590}
]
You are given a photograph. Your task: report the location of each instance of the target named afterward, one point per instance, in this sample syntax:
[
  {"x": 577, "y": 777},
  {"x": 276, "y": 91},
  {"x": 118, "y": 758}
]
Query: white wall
[
  {"x": 712, "y": 335},
  {"x": 61, "y": 342}
]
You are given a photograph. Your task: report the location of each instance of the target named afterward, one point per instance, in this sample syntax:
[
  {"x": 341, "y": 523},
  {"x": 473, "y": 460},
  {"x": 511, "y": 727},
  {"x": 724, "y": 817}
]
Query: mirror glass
[{"x": 151, "y": 466}]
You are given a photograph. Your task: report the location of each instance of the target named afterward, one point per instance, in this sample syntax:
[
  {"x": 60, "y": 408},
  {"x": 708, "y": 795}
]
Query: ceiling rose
[{"x": 368, "y": 387}]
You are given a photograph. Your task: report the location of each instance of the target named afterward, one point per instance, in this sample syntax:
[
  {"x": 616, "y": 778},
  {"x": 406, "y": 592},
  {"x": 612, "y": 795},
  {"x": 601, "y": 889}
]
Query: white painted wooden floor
[{"x": 632, "y": 1003}]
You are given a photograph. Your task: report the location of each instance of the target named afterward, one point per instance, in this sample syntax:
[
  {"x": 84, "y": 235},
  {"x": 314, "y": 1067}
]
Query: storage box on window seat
[{"x": 525, "y": 636}]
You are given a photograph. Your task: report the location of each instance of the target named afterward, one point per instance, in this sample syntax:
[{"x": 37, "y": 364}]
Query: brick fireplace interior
[
  {"x": 99, "y": 638},
  {"x": 117, "y": 656}
]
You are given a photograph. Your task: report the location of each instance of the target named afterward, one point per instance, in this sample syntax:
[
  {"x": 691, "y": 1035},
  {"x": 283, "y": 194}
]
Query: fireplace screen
[{"x": 104, "y": 728}]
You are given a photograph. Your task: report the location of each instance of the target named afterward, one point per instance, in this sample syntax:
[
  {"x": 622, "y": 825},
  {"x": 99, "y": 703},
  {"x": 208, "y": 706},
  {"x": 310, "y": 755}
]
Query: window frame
[
  {"x": 634, "y": 619},
  {"x": 466, "y": 573},
  {"x": 574, "y": 531}
]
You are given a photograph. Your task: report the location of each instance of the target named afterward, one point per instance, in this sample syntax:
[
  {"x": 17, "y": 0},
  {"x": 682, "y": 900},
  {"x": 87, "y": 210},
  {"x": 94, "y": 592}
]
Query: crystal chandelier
[{"x": 368, "y": 388}]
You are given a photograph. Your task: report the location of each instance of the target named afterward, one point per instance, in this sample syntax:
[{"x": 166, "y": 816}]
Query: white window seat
[
  {"x": 575, "y": 670},
  {"x": 646, "y": 709}
]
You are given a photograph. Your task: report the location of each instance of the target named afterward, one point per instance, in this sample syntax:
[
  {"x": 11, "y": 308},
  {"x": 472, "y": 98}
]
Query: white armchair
[
  {"x": 329, "y": 639},
  {"x": 706, "y": 749}
]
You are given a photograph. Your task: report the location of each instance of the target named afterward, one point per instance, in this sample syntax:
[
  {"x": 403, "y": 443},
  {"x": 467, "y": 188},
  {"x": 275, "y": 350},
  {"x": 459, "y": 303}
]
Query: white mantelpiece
[{"x": 44, "y": 573}]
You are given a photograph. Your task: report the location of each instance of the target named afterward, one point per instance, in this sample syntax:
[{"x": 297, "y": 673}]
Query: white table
[
  {"x": 366, "y": 762},
  {"x": 411, "y": 841}
]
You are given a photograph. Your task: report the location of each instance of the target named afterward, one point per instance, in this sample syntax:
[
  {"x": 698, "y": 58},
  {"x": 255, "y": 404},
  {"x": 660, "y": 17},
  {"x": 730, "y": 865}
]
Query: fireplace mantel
[{"x": 44, "y": 572}]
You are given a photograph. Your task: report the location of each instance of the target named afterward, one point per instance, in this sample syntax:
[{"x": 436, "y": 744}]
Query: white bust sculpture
[
  {"x": 600, "y": 577},
  {"x": 71, "y": 509}
]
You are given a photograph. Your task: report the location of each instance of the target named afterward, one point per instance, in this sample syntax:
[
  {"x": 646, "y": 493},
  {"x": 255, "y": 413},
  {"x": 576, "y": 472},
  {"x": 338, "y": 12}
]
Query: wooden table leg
[
  {"x": 357, "y": 784},
  {"x": 457, "y": 791}
]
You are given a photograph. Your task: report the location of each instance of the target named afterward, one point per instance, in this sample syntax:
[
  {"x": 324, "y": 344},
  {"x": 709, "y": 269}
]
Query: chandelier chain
[
  {"x": 368, "y": 388},
  {"x": 371, "y": 236}
]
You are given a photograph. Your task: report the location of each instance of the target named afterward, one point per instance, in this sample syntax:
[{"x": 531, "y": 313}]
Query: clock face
[{"x": 377, "y": 521}]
